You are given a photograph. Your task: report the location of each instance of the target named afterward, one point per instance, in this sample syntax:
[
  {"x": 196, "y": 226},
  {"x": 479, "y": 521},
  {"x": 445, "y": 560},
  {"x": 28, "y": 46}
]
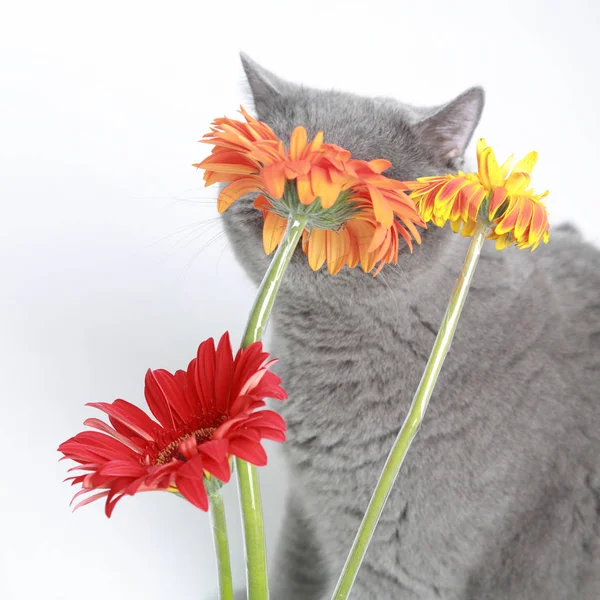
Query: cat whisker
[
  {"x": 392, "y": 295},
  {"x": 213, "y": 239},
  {"x": 197, "y": 233}
]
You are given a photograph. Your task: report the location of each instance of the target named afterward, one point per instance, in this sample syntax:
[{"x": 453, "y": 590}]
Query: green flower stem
[
  {"x": 248, "y": 485},
  {"x": 261, "y": 311},
  {"x": 219, "y": 532},
  {"x": 413, "y": 420}
]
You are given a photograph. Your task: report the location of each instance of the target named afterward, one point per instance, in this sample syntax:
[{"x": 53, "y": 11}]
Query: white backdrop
[{"x": 112, "y": 260}]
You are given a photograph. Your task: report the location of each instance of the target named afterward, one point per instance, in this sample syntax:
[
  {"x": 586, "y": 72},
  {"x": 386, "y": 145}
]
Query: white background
[{"x": 111, "y": 258}]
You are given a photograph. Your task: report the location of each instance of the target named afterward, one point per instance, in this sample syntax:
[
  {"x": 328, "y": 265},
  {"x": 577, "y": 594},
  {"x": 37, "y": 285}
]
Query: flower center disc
[{"x": 170, "y": 452}]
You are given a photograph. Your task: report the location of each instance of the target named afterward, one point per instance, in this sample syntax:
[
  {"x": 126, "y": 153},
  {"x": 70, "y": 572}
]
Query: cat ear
[
  {"x": 266, "y": 87},
  {"x": 448, "y": 130}
]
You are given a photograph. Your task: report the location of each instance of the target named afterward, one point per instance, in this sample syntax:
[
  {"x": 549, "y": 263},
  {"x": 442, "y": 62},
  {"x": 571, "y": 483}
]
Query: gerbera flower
[
  {"x": 203, "y": 415},
  {"x": 495, "y": 194},
  {"x": 354, "y": 213}
]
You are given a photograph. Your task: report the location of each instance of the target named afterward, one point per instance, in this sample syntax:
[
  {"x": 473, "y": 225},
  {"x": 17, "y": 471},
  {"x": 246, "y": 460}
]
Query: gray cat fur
[{"x": 499, "y": 497}]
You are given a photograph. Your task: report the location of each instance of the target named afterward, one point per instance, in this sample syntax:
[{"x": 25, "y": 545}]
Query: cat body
[{"x": 499, "y": 496}]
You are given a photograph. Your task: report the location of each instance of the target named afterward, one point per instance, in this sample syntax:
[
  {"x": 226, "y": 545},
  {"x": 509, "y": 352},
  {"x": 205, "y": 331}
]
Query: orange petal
[
  {"x": 273, "y": 231},
  {"x": 234, "y": 169},
  {"x": 261, "y": 203},
  {"x": 378, "y": 238},
  {"x": 293, "y": 168},
  {"x": 297, "y": 142},
  {"x": 317, "y": 248},
  {"x": 315, "y": 145},
  {"x": 383, "y": 211},
  {"x": 323, "y": 188},
  {"x": 338, "y": 247},
  {"x": 230, "y": 193},
  {"x": 274, "y": 180},
  {"x": 305, "y": 193},
  {"x": 406, "y": 238},
  {"x": 379, "y": 165},
  {"x": 211, "y": 177}
]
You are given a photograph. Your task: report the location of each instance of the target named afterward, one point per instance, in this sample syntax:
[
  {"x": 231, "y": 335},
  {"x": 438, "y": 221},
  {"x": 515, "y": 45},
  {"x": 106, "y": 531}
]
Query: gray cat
[{"x": 499, "y": 497}]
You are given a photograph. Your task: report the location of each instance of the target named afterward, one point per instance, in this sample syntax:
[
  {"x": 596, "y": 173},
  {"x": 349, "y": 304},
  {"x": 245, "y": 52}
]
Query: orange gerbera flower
[
  {"x": 354, "y": 213},
  {"x": 495, "y": 194}
]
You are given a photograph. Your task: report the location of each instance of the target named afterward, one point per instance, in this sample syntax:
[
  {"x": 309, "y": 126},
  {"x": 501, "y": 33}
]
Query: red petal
[
  {"x": 202, "y": 373},
  {"x": 157, "y": 389},
  {"x": 190, "y": 483},
  {"x": 214, "y": 456},
  {"x": 94, "y": 445},
  {"x": 89, "y": 498},
  {"x": 269, "y": 387},
  {"x": 131, "y": 416},
  {"x": 223, "y": 374},
  {"x": 276, "y": 435},
  {"x": 248, "y": 450},
  {"x": 265, "y": 418},
  {"x": 102, "y": 426},
  {"x": 123, "y": 468}
]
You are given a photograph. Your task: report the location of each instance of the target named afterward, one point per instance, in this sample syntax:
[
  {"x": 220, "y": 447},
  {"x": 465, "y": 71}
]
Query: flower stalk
[
  {"x": 414, "y": 418},
  {"x": 219, "y": 533},
  {"x": 248, "y": 484}
]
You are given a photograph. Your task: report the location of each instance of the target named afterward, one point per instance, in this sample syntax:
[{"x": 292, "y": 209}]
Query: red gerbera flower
[{"x": 204, "y": 414}]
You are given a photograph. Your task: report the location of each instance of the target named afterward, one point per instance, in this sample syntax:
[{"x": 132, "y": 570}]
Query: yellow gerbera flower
[{"x": 495, "y": 194}]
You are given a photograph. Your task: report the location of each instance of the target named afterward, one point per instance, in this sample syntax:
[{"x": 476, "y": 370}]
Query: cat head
[{"x": 418, "y": 142}]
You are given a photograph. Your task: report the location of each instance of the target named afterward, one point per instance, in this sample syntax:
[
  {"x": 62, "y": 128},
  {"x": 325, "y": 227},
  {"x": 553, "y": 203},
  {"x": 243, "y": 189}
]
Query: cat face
[{"x": 418, "y": 142}]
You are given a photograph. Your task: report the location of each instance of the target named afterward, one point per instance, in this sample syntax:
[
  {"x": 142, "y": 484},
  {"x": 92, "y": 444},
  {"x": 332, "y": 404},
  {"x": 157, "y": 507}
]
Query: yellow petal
[
  {"x": 493, "y": 170},
  {"x": 481, "y": 146},
  {"x": 517, "y": 182},
  {"x": 526, "y": 164},
  {"x": 506, "y": 165},
  {"x": 482, "y": 160}
]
